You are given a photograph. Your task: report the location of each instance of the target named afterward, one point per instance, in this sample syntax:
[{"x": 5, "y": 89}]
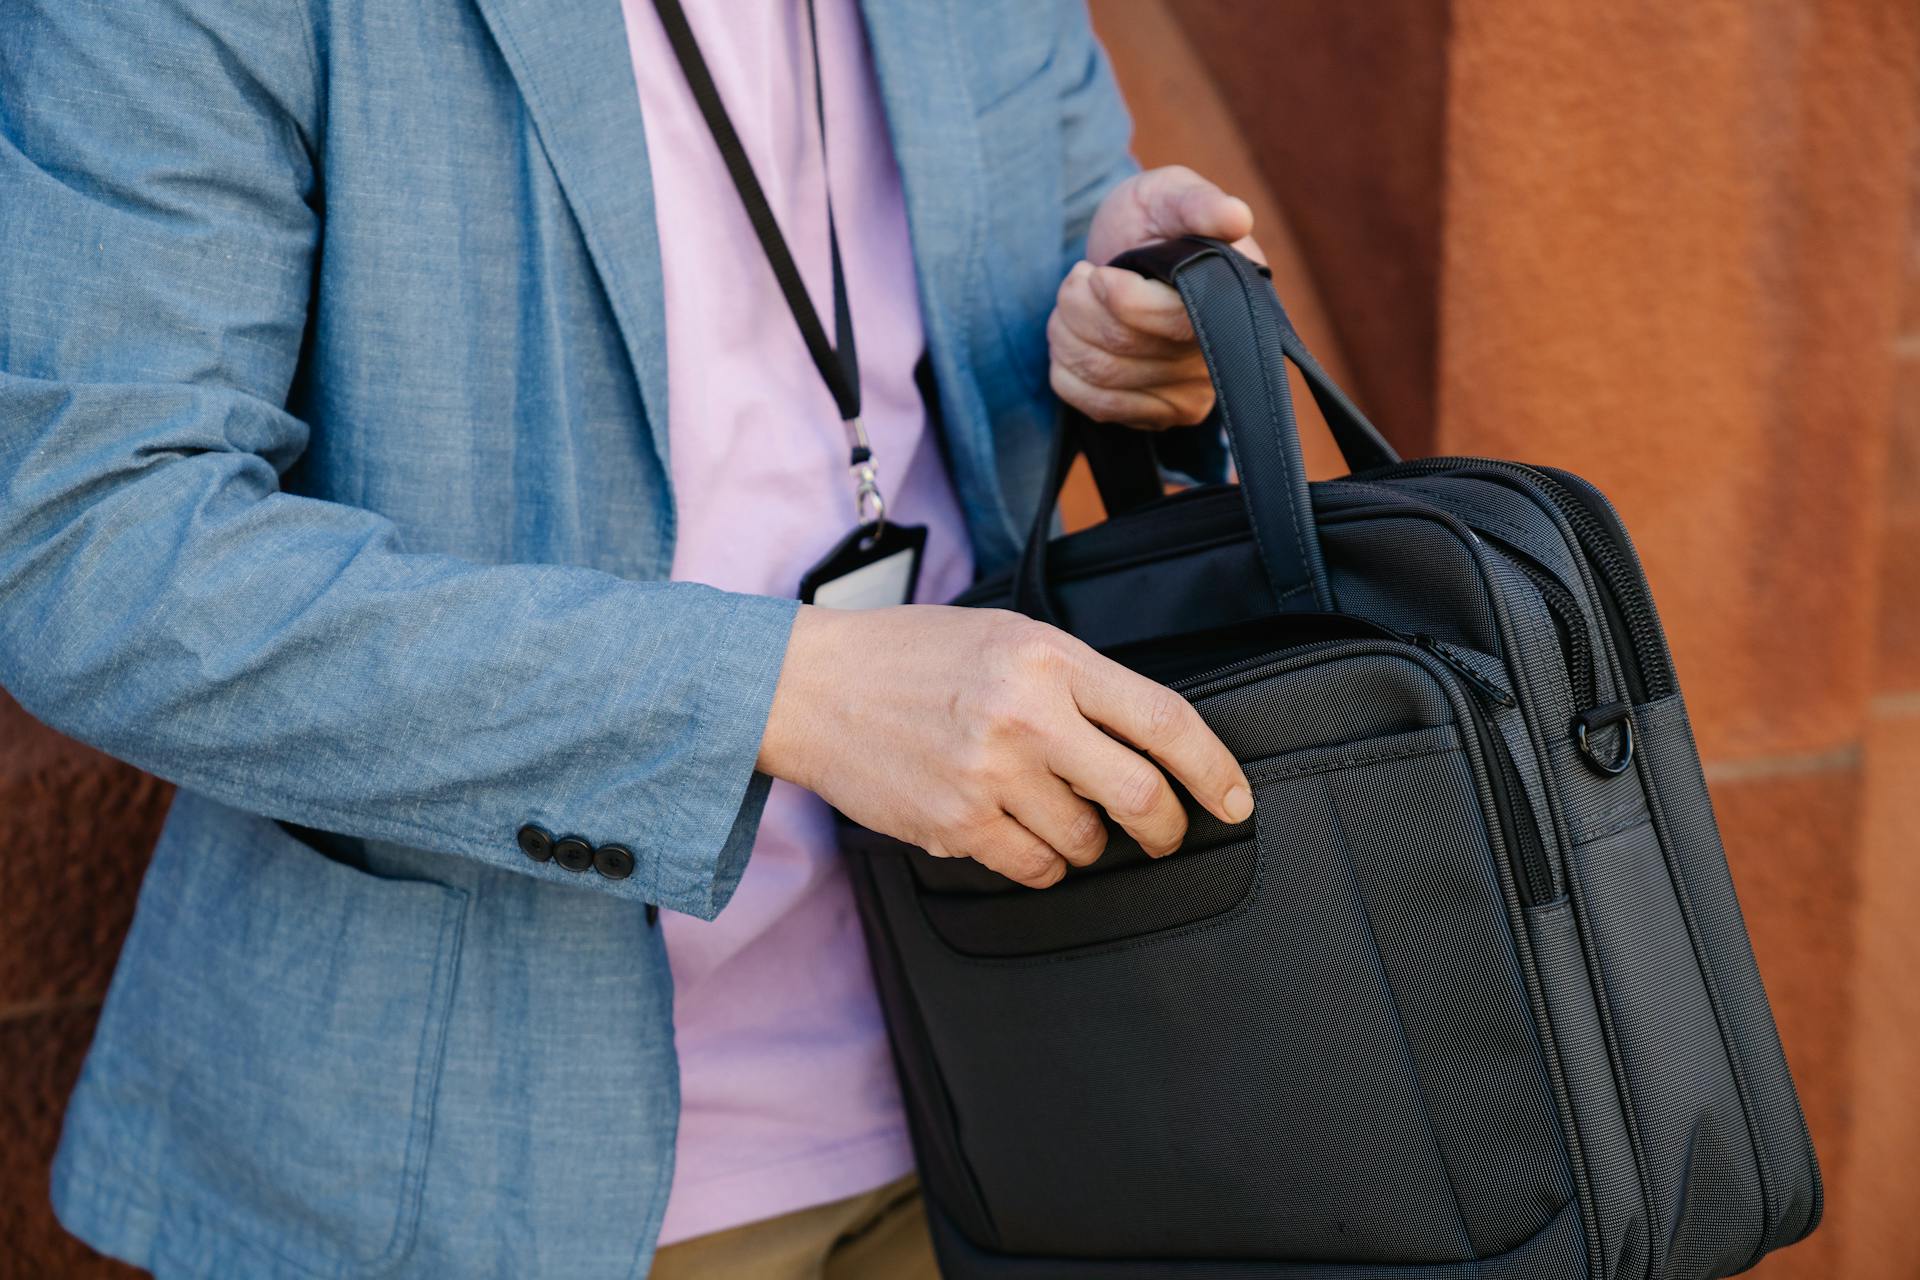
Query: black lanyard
[{"x": 837, "y": 360}]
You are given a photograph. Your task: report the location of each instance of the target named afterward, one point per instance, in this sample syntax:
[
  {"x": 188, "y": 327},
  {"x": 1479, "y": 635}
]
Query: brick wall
[
  {"x": 1540, "y": 231},
  {"x": 77, "y": 829},
  {"x": 1672, "y": 248},
  {"x": 1880, "y": 1230}
]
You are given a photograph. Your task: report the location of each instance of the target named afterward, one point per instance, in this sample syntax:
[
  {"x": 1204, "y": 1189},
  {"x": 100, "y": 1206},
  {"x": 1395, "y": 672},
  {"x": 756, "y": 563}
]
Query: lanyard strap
[{"x": 837, "y": 360}]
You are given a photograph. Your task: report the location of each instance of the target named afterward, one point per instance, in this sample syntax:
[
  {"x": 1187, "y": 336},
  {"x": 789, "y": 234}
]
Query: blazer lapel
[
  {"x": 571, "y": 61},
  {"x": 930, "y": 117}
]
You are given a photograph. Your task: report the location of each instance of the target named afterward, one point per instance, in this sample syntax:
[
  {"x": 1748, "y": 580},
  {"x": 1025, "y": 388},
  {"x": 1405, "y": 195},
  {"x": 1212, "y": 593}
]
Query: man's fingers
[
  {"x": 1083, "y": 315},
  {"x": 1069, "y": 825},
  {"x": 1124, "y": 783},
  {"x": 1166, "y": 726},
  {"x": 1176, "y": 201},
  {"x": 1177, "y": 406},
  {"x": 1017, "y": 854},
  {"x": 1144, "y": 305},
  {"x": 1109, "y": 367}
]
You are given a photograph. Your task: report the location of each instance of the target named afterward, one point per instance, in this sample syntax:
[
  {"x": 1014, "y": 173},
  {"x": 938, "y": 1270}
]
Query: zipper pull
[{"x": 1466, "y": 671}]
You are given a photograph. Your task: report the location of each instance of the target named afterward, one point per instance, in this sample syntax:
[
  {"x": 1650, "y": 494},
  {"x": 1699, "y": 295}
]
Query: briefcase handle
[{"x": 1246, "y": 338}]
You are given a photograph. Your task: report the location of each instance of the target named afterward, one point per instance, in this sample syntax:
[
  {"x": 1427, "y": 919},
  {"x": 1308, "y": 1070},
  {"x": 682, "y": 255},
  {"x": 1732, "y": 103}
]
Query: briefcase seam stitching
[
  {"x": 1151, "y": 938},
  {"x": 1206, "y": 347},
  {"x": 1257, "y": 774}
]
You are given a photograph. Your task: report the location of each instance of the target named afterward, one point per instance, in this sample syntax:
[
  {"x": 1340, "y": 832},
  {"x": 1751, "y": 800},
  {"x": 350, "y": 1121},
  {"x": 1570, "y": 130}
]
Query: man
[{"x": 408, "y": 448}]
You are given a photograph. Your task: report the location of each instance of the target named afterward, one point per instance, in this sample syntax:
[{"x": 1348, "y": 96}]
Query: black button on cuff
[
  {"x": 614, "y": 861},
  {"x": 535, "y": 842},
  {"x": 573, "y": 853}
]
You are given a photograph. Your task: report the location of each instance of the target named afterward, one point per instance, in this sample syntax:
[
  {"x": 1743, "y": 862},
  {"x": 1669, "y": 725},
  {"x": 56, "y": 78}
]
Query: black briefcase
[{"x": 1471, "y": 995}]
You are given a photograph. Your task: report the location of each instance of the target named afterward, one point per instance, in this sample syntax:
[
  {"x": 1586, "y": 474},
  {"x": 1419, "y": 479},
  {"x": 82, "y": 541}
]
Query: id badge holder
[{"x": 868, "y": 569}]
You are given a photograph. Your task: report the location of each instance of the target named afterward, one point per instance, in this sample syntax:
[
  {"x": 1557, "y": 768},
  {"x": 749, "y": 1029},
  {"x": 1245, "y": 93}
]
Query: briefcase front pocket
[{"x": 1307, "y": 1039}]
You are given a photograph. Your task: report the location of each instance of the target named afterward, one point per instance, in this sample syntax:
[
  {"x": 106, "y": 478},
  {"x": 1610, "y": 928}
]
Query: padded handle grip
[
  {"x": 1246, "y": 338},
  {"x": 1359, "y": 441}
]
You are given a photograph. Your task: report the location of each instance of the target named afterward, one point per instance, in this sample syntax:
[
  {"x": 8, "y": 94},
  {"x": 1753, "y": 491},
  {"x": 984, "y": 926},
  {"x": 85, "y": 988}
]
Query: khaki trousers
[{"x": 879, "y": 1235}]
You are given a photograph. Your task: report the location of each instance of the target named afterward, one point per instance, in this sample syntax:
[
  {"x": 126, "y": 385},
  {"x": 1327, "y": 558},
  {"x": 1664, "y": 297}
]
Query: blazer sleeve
[
  {"x": 1098, "y": 134},
  {"x": 162, "y": 599},
  {"x": 1096, "y": 130}
]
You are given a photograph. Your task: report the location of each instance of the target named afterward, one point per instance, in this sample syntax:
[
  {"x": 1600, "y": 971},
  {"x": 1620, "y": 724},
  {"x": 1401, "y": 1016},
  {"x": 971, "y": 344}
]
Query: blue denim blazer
[{"x": 334, "y": 489}]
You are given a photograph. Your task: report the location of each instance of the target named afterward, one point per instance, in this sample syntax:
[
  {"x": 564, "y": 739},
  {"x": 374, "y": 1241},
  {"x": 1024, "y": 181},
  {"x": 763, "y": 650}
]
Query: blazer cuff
[{"x": 695, "y": 860}]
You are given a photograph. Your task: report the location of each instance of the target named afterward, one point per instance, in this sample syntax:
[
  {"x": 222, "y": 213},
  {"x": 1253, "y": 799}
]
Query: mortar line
[
  {"x": 1833, "y": 760},
  {"x": 42, "y": 1008},
  {"x": 1895, "y": 706}
]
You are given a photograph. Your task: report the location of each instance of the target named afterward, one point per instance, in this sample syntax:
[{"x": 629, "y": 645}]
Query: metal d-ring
[{"x": 1588, "y": 722}]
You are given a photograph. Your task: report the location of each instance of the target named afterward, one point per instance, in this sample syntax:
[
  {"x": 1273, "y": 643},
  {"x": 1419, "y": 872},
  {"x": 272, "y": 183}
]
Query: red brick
[
  {"x": 1792, "y": 841},
  {"x": 39, "y": 1060},
  {"x": 1675, "y": 261},
  {"x": 1903, "y": 448},
  {"x": 1898, "y": 666},
  {"x": 1883, "y": 1167},
  {"x": 78, "y": 829},
  {"x": 1343, "y": 107}
]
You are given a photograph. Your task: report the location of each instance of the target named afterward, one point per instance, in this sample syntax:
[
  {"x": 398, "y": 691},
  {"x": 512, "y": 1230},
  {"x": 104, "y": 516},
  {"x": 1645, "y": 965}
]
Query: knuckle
[
  {"x": 1166, "y": 714},
  {"x": 1041, "y": 871},
  {"x": 1040, "y": 652},
  {"x": 1138, "y": 793},
  {"x": 1087, "y": 836},
  {"x": 977, "y": 762},
  {"x": 1097, "y": 368},
  {"x": 1126, "y": 339},
  {"x": 965, "y": 821}
]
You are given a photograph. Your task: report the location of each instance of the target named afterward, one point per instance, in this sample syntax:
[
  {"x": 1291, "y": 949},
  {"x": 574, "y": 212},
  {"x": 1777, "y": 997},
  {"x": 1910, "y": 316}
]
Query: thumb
[{"x": 1176, "y": 201}]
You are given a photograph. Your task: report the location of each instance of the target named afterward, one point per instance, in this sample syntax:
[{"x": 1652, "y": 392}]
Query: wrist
[{"x": 796, "y": 718}]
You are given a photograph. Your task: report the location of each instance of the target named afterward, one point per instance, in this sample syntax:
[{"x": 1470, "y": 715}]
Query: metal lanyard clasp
[{"x": 869, "y": 505}]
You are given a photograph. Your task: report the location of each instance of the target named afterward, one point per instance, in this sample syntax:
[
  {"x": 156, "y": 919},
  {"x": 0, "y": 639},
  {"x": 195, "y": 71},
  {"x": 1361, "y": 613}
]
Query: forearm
[{"x": 163, "y": 601}]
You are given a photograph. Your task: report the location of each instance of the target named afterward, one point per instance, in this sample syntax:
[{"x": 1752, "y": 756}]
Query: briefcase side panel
[
  {"x": 1684, "y": 810},
  {"x": 1718, "y": 1208}
]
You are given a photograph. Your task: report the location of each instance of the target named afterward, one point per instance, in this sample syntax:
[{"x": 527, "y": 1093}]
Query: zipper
[
  {"x": 1627, "y": 604},
  {"x": 1569, "y": 618},
  {"x": 1519, "y": 824},
  {"x": 1510, "y": 799},
  {"x": 1480, "y": 684},
  {"x": 1571, "y": 622}
]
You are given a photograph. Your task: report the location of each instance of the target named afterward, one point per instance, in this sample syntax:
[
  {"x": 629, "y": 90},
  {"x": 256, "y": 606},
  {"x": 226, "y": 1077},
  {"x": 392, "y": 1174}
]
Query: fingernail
[{"x": 1238, "y": 804}]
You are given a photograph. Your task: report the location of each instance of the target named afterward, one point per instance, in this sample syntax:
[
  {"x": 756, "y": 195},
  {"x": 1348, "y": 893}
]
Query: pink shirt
[{"x": 787, "y": 1091}]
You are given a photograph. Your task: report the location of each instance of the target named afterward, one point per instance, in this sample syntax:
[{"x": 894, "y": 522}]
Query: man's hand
[
  {"x": 1123, "y": 350},
  {"x": 981, "y": 734}
]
